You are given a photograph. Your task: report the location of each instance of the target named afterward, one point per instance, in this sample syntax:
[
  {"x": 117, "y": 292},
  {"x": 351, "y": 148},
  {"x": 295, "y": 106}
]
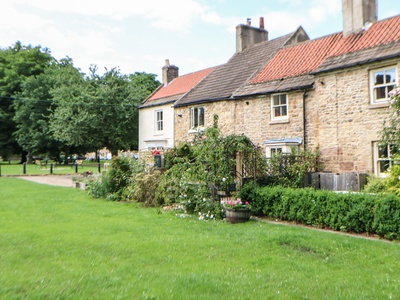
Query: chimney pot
[
  {"x": 248, "y": 22},
  {"x": 261, "y": 23},
  {"x": 167, "y": 62}
]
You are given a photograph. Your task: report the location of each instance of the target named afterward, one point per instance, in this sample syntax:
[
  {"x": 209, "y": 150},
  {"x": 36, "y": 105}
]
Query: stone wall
[
  {"x": 250, "y": 116},
  {"x": 343, "y": 124}
]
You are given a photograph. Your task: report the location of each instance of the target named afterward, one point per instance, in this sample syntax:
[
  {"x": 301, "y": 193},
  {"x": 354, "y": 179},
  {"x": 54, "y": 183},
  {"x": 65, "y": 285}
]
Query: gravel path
[{"x": 58, "y": 180}]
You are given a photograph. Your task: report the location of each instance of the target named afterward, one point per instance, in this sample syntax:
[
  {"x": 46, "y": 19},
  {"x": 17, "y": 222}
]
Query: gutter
[{"x": 304, "y": 119}]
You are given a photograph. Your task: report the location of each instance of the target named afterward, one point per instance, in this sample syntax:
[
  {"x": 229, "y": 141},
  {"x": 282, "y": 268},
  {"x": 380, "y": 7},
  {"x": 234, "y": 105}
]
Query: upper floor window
[
  {"x": 196, "y": 117},
  {"x": 159, "y": 120},
  {"x": 382, "y": 82},
  {"x": 279, "y": 107}
]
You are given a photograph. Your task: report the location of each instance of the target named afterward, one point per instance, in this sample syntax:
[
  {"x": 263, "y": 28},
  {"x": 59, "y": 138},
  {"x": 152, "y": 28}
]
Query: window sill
[
  {"x": 379, "y": 105},
  {"x": 282, "y": 121},
  {"x": 196, "y": 130},
  {"x": 159, "y": 133}
]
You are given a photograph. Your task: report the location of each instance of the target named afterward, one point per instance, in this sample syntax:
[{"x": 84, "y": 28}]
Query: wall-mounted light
[
  {"x": 180, "y": 116},
  {"x": 247, "y": 102},
  {"x": 321, "y": 82}
]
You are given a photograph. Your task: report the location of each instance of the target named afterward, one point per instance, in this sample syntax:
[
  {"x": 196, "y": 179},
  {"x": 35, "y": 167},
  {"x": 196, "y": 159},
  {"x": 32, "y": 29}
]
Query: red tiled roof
[
  {"x": 181, "y": 84},
  {"x": 297, "y": 60},
  {"x": 306, "y": 57},
  {"x": 383, "y": 32}
]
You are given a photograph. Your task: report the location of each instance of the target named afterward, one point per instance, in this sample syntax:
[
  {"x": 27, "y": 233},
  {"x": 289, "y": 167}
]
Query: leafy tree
[
  {"x": 72, "y": 120},
  {"x": 101, "y": 110},
  {"x": 17, "y": 64},
  {"x": 118, "y": 116}
]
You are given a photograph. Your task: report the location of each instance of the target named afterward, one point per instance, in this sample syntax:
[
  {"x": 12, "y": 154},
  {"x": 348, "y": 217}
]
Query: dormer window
[{"x": 382, "y": 81}]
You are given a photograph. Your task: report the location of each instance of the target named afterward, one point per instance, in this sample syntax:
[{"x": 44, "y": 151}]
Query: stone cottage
[{"x": 329, "y": 93}]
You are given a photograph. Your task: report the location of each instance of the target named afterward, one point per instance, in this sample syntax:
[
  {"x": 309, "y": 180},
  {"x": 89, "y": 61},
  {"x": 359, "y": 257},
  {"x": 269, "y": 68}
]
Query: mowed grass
[{"x": 59, "y": 243}]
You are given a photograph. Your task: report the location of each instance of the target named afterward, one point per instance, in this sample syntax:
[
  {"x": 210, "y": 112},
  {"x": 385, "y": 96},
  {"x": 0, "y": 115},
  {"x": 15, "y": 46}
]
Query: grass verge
[{"x": 60, "y": 243}]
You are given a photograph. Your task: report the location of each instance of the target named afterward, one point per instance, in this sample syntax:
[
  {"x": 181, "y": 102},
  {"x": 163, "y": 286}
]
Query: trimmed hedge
[{"x": 349, "y": 212}]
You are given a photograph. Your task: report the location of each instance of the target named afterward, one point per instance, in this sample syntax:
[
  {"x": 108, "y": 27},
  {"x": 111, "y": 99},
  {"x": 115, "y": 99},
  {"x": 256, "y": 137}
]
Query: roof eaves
[{"x": 201, "y": 101}]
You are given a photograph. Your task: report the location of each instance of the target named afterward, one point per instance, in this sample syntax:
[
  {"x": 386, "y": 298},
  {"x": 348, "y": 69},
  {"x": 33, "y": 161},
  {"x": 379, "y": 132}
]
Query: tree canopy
[{"x": 48, "y": 106}]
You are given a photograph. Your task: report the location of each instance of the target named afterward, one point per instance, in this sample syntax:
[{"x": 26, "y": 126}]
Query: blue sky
[{"x": 137, "y": 36}]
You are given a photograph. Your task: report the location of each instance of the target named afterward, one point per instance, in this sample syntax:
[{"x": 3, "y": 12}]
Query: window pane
[
  {"x": 196, "y": 117},
  {"x": 283, "y": 99},
  {"x": 284, "y": 110},
  {"x": 380, "y": 93},
  {"x": 383, "y": 165},
  {"x": 277, "y": 112},
  {"x": 378, "y": 78},
  {"x": 383, "y": 151},
  {"x": 391, "y": 76},
  {"x": 201, "y": 116},
  {"x": 276, "y": 100}
]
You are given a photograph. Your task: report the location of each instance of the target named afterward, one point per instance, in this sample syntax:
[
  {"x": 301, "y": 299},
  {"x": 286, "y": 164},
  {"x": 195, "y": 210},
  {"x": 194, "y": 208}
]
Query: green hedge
[{"x": 350, "y": 212}]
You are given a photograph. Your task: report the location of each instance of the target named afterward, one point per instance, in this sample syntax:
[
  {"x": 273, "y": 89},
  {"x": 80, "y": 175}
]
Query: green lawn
[{"x": 59, "y": 243}]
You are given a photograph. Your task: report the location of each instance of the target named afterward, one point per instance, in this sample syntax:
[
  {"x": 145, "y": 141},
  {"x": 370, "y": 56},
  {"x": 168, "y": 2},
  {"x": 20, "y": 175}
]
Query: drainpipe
[{"x": 304, "y": 119}]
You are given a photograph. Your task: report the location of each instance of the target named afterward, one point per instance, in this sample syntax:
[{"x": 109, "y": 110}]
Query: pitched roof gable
[{"x": 180, "y": 85}]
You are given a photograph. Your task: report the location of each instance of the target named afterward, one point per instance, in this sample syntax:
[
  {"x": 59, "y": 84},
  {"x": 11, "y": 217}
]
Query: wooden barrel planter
[{"x": 239, "y": 215}]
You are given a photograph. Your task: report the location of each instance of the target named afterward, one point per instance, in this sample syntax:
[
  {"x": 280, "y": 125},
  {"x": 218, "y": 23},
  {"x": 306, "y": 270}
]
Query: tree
[
  {"x": 17, "y": 64},
  {"x": 101, "y": 110},
  {"x": 32, "y": 111}
]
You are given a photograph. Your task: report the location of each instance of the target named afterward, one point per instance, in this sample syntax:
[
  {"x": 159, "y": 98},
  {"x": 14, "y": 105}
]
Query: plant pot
[{"x": 240, "y": 215}]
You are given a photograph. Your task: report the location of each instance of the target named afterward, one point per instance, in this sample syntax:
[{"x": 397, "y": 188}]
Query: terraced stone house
[{"x": 328, "y": 93}]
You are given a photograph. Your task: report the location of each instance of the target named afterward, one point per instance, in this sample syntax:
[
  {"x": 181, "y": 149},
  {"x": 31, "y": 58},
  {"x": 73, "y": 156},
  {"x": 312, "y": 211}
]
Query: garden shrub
[
  {"x": 350, "y": 212},
  {"x": 375, "y": 185},
  {"x": 387, "y": 217},
  {"x": 117, "y": 183},
  {"x": 289, "y": 169},
  {"x": 145, "y": 187}
]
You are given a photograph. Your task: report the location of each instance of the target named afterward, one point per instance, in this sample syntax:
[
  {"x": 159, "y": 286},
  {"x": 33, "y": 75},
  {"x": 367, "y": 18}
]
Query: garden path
[{"x": 58, "y": 180}]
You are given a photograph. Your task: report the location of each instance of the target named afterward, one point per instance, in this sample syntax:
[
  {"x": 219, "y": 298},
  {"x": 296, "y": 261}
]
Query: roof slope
[
  {"x": 224, "y": 80},
  {"x": 176, "y": 88},
  {"x": 293, "y": 66},
  {"x": 380, "y": 41},
  {"x": 297, "y": 60}
]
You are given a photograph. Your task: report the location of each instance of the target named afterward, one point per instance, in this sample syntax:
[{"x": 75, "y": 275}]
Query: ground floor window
[
  {"x": 384, "y": 157},
  {"x": 281, "y": 146}
]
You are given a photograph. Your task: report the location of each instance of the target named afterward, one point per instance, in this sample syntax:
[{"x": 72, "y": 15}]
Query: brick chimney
[
  {"x": 357, "y": 14},
  {"x": 248, "y": 36},
  {"x": 169, "y": 72}
]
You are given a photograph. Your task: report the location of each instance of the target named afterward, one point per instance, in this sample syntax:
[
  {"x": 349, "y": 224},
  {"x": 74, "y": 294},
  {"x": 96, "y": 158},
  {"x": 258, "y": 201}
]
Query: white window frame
[
  {"x": 199, "y": 124},
  {"x": 159, "y": 120},
  {"x": 284, "y": 148},
  {"x": 280, "y": 106},
  {"x": 387, "y": 86},
  {"x": 382, "y": 157}
]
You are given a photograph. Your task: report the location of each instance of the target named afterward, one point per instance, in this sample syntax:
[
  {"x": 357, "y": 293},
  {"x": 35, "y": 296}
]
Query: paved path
[{"x": 58, "y": 180}]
